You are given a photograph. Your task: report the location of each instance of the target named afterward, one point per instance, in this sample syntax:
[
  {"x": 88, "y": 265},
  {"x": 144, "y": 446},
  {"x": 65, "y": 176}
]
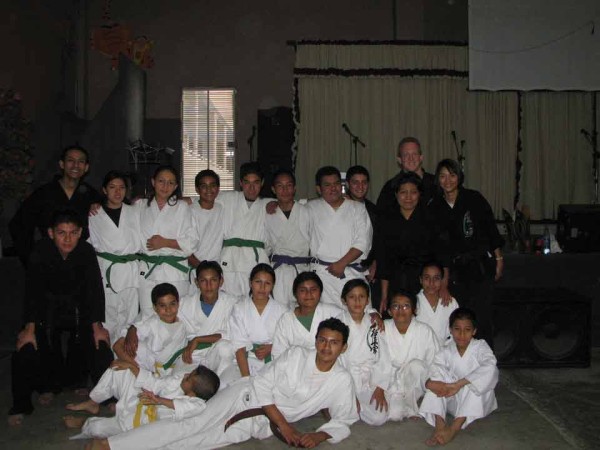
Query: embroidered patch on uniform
[
  {"x": 224, "y": 263},
  {"x": 373, "y": 340},
  {"x": 142, "y": 273},
  {"x": 468, "y": 228}
]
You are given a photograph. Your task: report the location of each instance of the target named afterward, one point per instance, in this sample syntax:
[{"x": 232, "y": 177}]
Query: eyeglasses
[{"x": 397, "y": 307}]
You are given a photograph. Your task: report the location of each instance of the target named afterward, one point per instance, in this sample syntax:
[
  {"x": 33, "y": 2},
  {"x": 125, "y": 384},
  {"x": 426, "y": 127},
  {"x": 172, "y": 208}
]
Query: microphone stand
[
  {"x": 354, "y": 141},
  {"x": 592, "y": 139},
  {"x": 460, "y": 153}
]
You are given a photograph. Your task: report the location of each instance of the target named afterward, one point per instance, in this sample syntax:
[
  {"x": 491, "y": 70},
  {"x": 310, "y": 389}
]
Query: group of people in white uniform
[
  {"x": 283, "y": 269},
  {"x": 234, "y": 316}
]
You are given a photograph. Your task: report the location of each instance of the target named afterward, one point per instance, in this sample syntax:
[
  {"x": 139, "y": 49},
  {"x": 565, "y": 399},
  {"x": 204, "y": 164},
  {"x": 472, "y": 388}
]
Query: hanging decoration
[{"x": 112, "y": 38}]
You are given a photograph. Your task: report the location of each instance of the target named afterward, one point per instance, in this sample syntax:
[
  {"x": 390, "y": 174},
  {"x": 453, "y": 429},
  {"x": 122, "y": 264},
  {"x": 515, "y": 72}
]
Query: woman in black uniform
[
  {"x": 405, "y": 240},
  {"x": 470, "y": 244}
]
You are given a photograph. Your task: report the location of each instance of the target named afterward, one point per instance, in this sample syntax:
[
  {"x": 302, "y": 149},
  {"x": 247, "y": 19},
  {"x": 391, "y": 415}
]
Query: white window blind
[{"x": 208, "y": 135}]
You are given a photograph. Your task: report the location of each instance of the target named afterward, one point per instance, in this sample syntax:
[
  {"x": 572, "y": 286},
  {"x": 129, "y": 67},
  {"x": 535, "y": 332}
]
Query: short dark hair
[
  {"x": 205, "y": 383},
  {"x": 403, "y": 293},
  {"x": 207, "y": 173},
  {"x": 357, "y": 170},
  {"x": 408, "y": 140},
  {"x": 326, "y": 171},
  {"x": 114, "y": 175},
  {"x": 209, "y": 265},
  {"x": 65, "y": 215},
  {"x": 334, "y": 324},
  {"x": 407, "y": 177},
  {"x": 463, "y": 313},
  {"x": 451, "y": 166},
  {"x": 306, "y": 276},
  {"x": 249, "y": 168},
  {"x": 356, "y": 282},
  {"x": 280, "y": 172},
  {"x": 433, "y": 263},
  {"x": 79, "y": 148},
  {"x": 162, "y": 289}
]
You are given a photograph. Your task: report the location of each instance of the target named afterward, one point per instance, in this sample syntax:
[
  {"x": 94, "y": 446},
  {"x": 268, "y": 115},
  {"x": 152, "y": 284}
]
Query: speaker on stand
[
  {"x": 274, "y": 144},
  {"x": 541, "y": 327}
]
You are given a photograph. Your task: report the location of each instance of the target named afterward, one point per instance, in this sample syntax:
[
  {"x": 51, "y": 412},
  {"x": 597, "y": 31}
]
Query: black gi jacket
[{"x": 56, "y": 286}]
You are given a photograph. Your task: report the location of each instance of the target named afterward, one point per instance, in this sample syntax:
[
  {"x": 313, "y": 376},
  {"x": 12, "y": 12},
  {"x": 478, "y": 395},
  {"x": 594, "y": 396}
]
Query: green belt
[
  {"x": 239, "y": 242},
  {"x": 157, "y": 260},
  {"x": 115, "y": 259},
  {"x": 255, "y": 346},
  {"x": 177, "y": 354}
]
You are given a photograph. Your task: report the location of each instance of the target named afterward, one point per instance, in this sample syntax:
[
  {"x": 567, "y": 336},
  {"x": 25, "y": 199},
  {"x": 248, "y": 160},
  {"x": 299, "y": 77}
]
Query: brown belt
[{"x": 254, "y": 412}]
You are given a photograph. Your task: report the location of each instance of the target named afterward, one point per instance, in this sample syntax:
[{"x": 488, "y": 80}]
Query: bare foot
[
  {"x": 89, "y": 405},
  {"x": 83, "y": 392},
  {"x": 15, "y": 420},
  {"x": 73, "y": 421},
  {"x": 98, "y": 444},
  {"x": 446, "y": 435},
  {"x": 46, "y": 398},
  {"x": 432, "y": 441}
]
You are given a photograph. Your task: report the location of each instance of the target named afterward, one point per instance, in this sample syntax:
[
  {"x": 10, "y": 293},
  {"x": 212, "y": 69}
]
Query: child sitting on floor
[
  {"x": 461, "y": 381},
  {"x": 143, "y": 399},
  {"x": 151, "y": 342}
]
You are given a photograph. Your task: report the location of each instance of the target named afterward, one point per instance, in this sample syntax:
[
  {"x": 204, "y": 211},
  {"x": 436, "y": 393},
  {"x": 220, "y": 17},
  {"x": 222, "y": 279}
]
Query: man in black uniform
[
  {"x": 64, "y": 299},
  {"x": 410, "y": 159},
  {"x": 65, "y": 191}
]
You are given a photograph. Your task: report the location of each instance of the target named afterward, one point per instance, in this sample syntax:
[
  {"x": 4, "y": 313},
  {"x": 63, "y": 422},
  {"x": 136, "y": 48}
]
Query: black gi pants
[{"x": 48, "y": 369}]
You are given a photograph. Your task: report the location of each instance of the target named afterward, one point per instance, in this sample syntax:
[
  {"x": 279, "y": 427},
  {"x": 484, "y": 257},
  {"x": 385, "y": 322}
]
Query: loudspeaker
[
  {"x": 541, "y": 327},
  {"x": 274, "y": 144},
  {"x": 578, "y": 228}
]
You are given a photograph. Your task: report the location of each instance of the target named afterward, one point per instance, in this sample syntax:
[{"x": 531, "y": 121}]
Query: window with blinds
[{"x": 208, "y": 135}]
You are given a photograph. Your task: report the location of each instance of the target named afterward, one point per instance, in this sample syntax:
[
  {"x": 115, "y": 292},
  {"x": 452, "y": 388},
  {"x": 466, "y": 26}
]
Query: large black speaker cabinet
[
  {"x": 578, "y": 228},
  {"x": 541, "y": 327},
  {"x": 275, "y": 140}
]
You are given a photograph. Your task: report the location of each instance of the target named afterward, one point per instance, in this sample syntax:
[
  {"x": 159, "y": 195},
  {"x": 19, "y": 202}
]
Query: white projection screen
[{"x": 534, "y": 44}]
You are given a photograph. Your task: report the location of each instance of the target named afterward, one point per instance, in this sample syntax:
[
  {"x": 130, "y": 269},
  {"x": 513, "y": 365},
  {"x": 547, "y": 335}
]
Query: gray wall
[{"x": 208, "y": 43}]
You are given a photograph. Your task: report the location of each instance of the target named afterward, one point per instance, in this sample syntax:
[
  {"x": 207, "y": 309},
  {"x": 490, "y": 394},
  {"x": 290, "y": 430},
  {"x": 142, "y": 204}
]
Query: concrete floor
[{"x": 538, "y": 409}]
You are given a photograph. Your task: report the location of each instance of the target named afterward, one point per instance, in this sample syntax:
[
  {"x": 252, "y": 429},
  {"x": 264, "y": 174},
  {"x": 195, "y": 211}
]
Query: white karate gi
[
  {"x": 208, "y": 224},
  {"x": 290, "y": 332},
  {"x": 172, "y": 222},
  {"x": 332, "y": 234},
  {"x": 219, "y": 355},
  {"x": 360, "y": 359},
  {"x": 243, "y": 222},
  {"x": 123, "y": 385},
  {"x": 157, "y": 342},
  {"x": 288, "y": 237},
  {"x": 438, "y": 320},
  {"x": 121, "y": 304},
  {"x": 292, "y": 383},
  {"x": 476, "y": 399},
  {"x": 404, "y": 365},
  {"x": 246, "y": 328}
]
